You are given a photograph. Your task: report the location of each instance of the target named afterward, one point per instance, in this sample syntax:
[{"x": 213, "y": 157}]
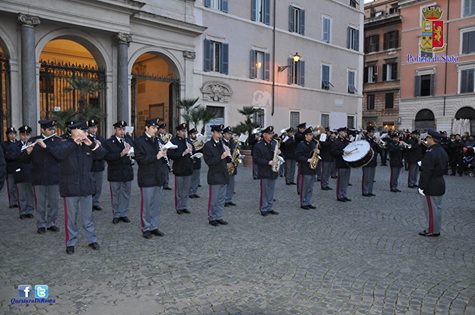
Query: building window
[
  {"x": 326, "y": 29},
  {"x": 371, "y": 74},
  {"x": 391, "y": 40},
  {"x": 259, "y": 118},
  {"x": 389, "y": 103},
  {"x": 390, "y": 71},
  {"x": 468, "y": 42},
  {"x": 326, "y": 80},
  {"x": 372, "y": 43},
  {"x": 468, "y": 7},
  {"x": 353, "y": 3},
  {"x": 370, "y": 102},
  {"x": 424, "y": 85},
  {"x": 259, "y": 65},
  {"x": 216, "y": 57},
  {"x": 260, "y": 11},
  {"x": 350, "y": 122},
  {"x": 352, "y": 82},
  {"x": 296, "y": 20},
  {"x": 352, "y": 39},
  {"x": 296, "y": 72},
  {"x": 294, "y": 119},
  {"x": 221, "y": 5},
  {"x": 467, "y": 81},
  {"x": 325, "y": 120}
]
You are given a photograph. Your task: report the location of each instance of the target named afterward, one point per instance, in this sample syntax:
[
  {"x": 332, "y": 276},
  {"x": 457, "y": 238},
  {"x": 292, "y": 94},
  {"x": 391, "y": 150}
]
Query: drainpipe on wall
[
  {"x": 447, "y": 50},
  {"x": 273, "y": 60}
]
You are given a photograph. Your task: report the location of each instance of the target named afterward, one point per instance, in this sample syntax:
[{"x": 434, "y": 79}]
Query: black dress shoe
[
  {"x": 341, "y": 199},
  {"x": 115, "y": 221},
  {"x": 334, "y": 177},
  {"x": 213, "y": 223},
  {"x": 41, "y": 230},
  {"x": 13, "y": 206},
  {"x": 53, "y": 228},
  {"x": 124, "y": 219},
  {"x": 366, "y": 195},
  {"x": 167, "y": 188},
  {"x": 372, "y": 195},
  {"x": 157, "y": 232},
  {"x": 288, "y": 184},
  {"x": 347, "y": 199},
  {"x": 312, "y": 207},
  {"x": 199, "y": 185},
  {"x": 22, "y": 216},
  {"x": 147, "y": 235},
  {"x": 425, "y": 233},
  {"x": 273, "y": 212},
  {"x": 222, "y": 222},
  {"x": 292, "y": 183},
  {"x": 97, "y": 208},
  {"x": 397, "y": 190},
  {"x": 70, "y": 250},
  {"x": 226, "y": 204},
  {"x": 94, "y": 246},
  {"x": 327, "y": 188},
  {"x": 29, "y": 216},
  {"x": 318, "y": 179},
  {"x": 350, "y": 184},
  {"x": 186, "y": 211},
  {"x": 231, "y": 204},
  {"x": 179, "y": 211},
  {"x": 304, "y": 207},
  {"x": 264, "y": 213}
]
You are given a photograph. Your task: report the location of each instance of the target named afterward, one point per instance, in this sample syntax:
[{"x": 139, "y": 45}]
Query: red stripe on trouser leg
[
  {"x": 338, "y": 185},
  {"x": 36, "y": 199},
  {"x": 302, "y": 189},
  {"x": 431, "y": 215},
  {"x": 141, "y": 208},
  {"x": 260, "y": 199},
  {"x": 209, "y": 200},
  {"x": 66, "y": 220}
]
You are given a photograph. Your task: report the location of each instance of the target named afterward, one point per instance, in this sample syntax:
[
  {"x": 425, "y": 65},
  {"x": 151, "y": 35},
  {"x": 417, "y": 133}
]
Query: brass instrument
[
  {"x": 315, "y": 156},
  {"x": 405, "y": 145},
  {"x": 166, "y": 137},
  {"x": 236, "y": 159},
  {"x": 199, "y": 142},
  {"x": 276, "y": 160}
]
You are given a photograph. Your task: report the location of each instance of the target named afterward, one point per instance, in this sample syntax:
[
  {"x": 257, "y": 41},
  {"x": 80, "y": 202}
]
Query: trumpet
[{"x": 405, "y": 145}]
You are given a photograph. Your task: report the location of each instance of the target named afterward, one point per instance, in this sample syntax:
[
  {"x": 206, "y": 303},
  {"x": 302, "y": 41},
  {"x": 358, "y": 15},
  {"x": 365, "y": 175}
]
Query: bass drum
[{"x": 358, "y": 153}]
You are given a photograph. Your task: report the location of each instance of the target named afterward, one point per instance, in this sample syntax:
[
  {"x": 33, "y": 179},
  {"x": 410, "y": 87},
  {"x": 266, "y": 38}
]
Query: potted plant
[{"x": 246, "y": 127}]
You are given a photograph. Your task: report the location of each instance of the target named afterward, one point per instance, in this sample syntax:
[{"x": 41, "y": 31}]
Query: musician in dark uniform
[
  {"x": 326, "y": 161},
  {"x": 299, "y": 135},
  {"x": 413, "y": 156},
  {"x": 195, "y": 178},
  {"x": 77, "y": 184},
  {"x": 228, "y": 141},
  {"x": 98, "y": 166},
  {"x": 432, "y": 184},
  {"x": 333, "y": 136},
  {"x": 44, "y": 156},
  {"x": 369, "y": 170},
  {"x": 22, "y": 175},
  {"x": 216, "y": 156},
  {"x": 253, "y": 140},
  {"x": 119, "y": 171},
  {"x": 342, "y": 167},
  {"x": 3, "y": 168},
  {"x": 288, "y": 150},
  {"x": 67, "y": 132},
  {"x": 11, "y": 167},
  {"x": 162, "y": 131},
  {"x": 151, "y": 177},
  {"x": 395, "y": 150},
  {"x": 182, "y": 168},
  {"x": 304, "y": 153},
  {"x": 263, "y": 155}
]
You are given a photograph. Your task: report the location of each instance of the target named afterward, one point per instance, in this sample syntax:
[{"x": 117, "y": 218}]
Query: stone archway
[
  {"x": 467, "y": 112},
  {"x": 5, "y": 119},
  {"x": 424, "y": 120}
]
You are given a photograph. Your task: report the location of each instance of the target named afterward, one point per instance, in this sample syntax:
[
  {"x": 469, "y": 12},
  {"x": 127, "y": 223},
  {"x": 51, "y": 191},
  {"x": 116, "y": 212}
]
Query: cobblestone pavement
[{"x": 359, "y": 257}]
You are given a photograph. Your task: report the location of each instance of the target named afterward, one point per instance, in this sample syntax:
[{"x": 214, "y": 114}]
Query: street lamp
[{"x": 295, "y": 57}]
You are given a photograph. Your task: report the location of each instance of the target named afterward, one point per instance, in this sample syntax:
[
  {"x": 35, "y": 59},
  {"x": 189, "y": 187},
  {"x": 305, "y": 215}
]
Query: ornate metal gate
[{"x": 5, "y": 111}]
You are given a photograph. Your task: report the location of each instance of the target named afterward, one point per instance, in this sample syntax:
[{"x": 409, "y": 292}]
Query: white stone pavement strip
[{"x": 359, "y": 257}]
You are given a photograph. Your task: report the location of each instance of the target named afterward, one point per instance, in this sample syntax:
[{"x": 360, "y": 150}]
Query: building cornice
[
  {"x": 378, "y": 21},
  {"x": 169, "y": 23}
]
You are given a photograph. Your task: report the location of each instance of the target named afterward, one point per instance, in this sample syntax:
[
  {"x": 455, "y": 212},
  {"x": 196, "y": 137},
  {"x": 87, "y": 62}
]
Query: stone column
[
  {"x": 28, "y": 69},
  {"x": 123, "y": 41}
]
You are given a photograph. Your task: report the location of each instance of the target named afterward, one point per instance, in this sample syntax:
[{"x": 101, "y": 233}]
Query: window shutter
[
  {"x": 301, "y": 65},
  {"x": 375, "y": 73},
  {"x": 225, "y": 59},
  {"x": 432, "y": 84},
  {"x": 471, "y": 42},
  {"x": 207, "y": 3},
  {"x": 417, "y": 86},
  {"x": 267, "y": 65},
  {"x": 464, "y": 81},
  {"x": 208, "y": 55},
  {"x": 252, "y": 63},
  {"x": 386, "y": 41},
  {"x": 356, "y": 40},
  {"x": 253, "y": 10},
  {"x": 365, "y": 75},
  {"x": 326, "y": 30},
  {"x": 224, "y": 6},
  {"x": 394, "y": 73},
  {"x": 470, "y": 80},
  {"x": 348, "y": 37},
  {"x": 466, "y": 8},
  {"x": 367, "y": 41},
  {"x": 290, "y": 69},
  {"x": 385, "y": 72},
  {"x": 396, "y": 39},
  {"x": 377, "y": 42},
  {"x": 267, "y": 12},
  {"x": 291, "y": 19},
  {"x": 302, "y": 22},
  {"x": 465, "y": 43}
]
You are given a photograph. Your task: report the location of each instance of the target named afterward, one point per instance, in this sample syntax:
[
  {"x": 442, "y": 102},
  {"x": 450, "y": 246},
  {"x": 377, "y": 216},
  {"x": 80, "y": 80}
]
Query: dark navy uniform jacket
[
  {"x": 3, "y": 169},
  {"x": 414, "y": 154},
  {"x": 262, "y": 154},
  {"x": 434, "y": 166},
  {"x": 217, "y": 169},
  {"x": 337, "y": 151},
  {"x": 182, "y": 165},
  {"x": 45, "y": 162},
  {"x": 119, "y": 168},
  {"x": 304, "y": 152},
  {"x": 395, "y": 154},
  {"x": 76, "y": 178},
  {"x": 288, "y": 148},
  {"x": 98, "y": 165},
  {"x": 22, "y": 172},
  {"x": 376, "y": 149},
  {"x": 12, "y": 165},
  {"x": 326, "y": 150},
  {"x": 152, "y": 172}
]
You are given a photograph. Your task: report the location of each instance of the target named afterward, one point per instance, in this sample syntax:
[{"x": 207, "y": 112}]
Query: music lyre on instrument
[{"x": 358, "y": 153}]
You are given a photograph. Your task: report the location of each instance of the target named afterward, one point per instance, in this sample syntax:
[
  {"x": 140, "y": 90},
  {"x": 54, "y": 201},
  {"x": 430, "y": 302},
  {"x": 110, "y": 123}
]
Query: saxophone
[
  {"x": 236, "y": 159},
  {"x": 315, "y": 156},
  {"x": 276, "y": 160}
]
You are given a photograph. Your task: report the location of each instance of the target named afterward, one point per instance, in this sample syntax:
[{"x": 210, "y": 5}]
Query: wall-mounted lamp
[{"x": 296, "y": 59}]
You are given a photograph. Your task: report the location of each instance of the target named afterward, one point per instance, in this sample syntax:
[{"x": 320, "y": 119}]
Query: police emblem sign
[{"x": 432, "y": 37}]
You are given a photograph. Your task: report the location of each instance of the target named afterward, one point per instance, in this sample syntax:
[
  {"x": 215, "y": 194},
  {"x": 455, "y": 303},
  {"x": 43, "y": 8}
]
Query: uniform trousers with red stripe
[
  {"x": 26, "y": 198},
  {"x": 267, "y": 194},
  {"x": 98, "y": 177},
  {"x": 150, "y": 207},
  {"x": 182, "y": 192},
  {"x": 120, "y": 196},
  {"x": 368, "y": 180},
  {"x": 217, "y": 197},
  {"x": 47, "y": 205},
  {"x": 72, "y": 207},
  {"x": 12, "y": 191},
  {"x": 413, "y": 174},
  {"x": 342, "y": 182},
  {"x": 307, "y": 182},
  {"x": 432, "y": 206}
]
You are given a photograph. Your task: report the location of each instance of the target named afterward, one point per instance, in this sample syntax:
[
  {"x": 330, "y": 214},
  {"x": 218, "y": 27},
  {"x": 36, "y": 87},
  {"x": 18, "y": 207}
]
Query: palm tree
[
  {"x": 248, "y": 125},
  {"x": 186, "y": 105},
  {"x": 206, "y": 117},
  {"x": 85, "y": 86}
]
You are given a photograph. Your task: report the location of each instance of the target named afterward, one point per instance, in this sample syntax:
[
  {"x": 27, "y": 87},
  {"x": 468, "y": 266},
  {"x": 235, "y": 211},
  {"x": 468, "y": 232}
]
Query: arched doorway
[
  {"x": 154, "y": 90},
  {"x": 5, "y": 119},
  {"x": 467, "y": 113},
  {"x": 70, "y": 78},
  {"x": 425, "y": 119}
]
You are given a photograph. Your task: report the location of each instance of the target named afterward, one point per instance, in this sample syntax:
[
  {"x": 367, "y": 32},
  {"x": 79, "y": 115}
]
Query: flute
[{"x": 26, "y": 146}]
